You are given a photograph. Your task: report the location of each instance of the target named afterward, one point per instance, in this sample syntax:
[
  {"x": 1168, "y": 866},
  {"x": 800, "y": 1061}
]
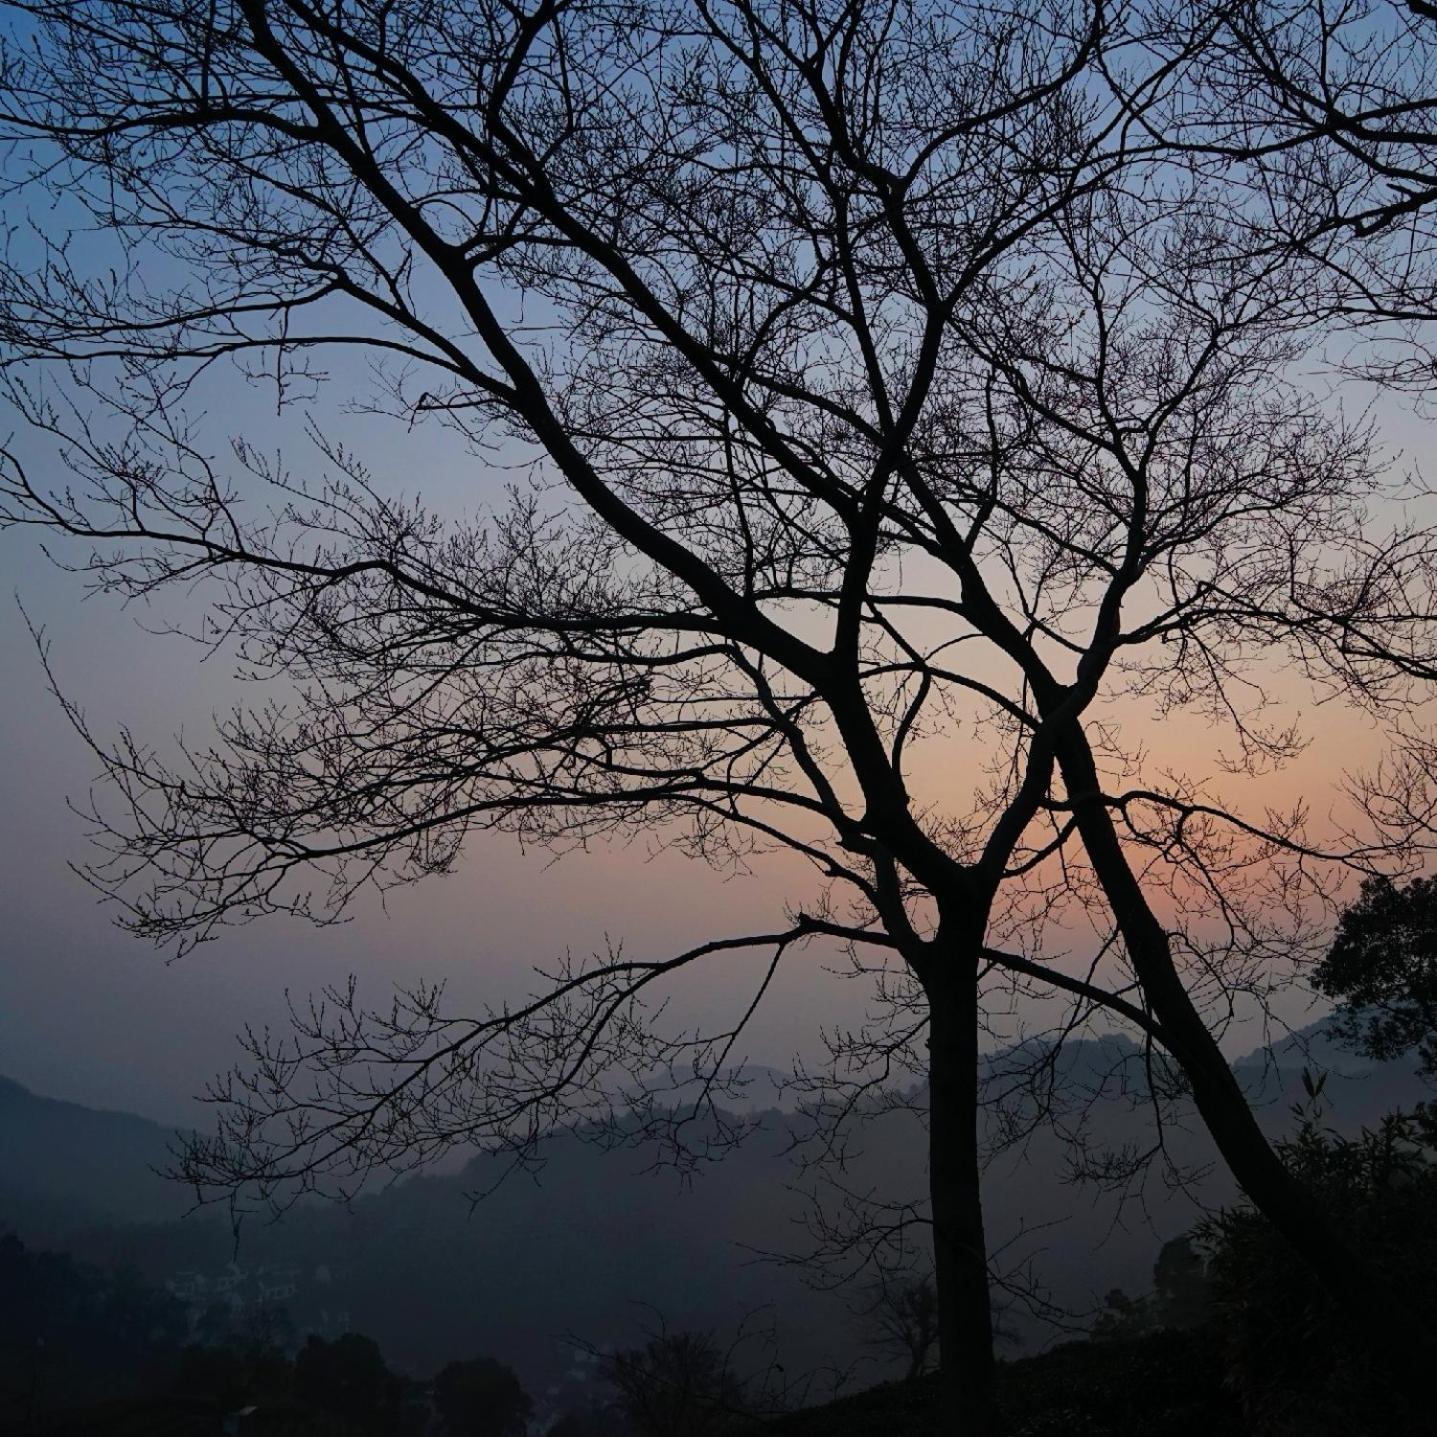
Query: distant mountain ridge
[
  {"x": 591, "y": 1239},
  {"x": 69, "y": 1164}
]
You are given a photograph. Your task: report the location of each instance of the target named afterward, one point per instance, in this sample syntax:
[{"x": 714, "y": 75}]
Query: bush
[{"x": 1295, "y": 1362}]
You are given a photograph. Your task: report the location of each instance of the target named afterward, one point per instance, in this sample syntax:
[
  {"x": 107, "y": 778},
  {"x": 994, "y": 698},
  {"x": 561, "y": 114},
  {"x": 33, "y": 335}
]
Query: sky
[{"x": 91, "y": 1014}]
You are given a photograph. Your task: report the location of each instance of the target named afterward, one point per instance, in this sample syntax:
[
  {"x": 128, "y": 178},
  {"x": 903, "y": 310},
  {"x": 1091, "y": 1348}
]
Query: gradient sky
[{"x": 90, "y": 1014}]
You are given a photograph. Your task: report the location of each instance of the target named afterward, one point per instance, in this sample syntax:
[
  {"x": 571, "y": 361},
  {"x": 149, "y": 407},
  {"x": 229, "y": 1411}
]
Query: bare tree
[
  {"x": 902, "y": 1321},
  {"x": 1328, "y": 107},
  {"x": 679, "y": 1383},
  {"x": 871, "y": 376},
  {"x": 1326, "y": 117}
]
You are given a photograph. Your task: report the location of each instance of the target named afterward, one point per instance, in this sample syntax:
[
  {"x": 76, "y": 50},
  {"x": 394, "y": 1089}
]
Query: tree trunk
[
  {"x": 960, "y": 1252},
  {"x": 1396, "y": 1335}
]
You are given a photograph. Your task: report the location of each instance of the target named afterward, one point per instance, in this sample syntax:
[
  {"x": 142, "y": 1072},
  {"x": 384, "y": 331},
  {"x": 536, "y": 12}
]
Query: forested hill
[
  {"x": 600, "y": 1245},
  {"x": 67, "y": 1165}
]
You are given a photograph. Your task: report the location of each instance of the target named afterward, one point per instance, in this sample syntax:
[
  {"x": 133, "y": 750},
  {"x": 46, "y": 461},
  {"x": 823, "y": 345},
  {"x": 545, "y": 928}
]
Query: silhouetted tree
[
  {"x": 72, "y": 1334},
  {"x": 1122, "y": 1316},
  {"x": 1181, "y": 1297},
  {"x": 876, "y": 377},
  {"x": 348, "y": 1377},
  {"x": 1382, "y": 971},
  {"x": 1296, "y": 1360},
  {"x": 1182, "y": 1292},
  {"x": 235, "y": 1375},
  {"x": 481, "y": 1398},
  {"x": 902, "y": 1318},
  {"x": 1329, "y": 111},
  {"x": 678, "y": 1384}
]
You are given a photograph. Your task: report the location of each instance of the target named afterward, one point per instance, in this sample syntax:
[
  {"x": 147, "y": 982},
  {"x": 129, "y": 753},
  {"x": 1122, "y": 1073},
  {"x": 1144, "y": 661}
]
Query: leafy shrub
[{"x": 1294, "y": 1360}]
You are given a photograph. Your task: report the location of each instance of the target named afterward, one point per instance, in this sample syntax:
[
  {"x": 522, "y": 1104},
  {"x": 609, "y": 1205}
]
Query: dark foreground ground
[
  {"x": 1162, "y": 1384},
  {"x": 1166, "y": 1384}
]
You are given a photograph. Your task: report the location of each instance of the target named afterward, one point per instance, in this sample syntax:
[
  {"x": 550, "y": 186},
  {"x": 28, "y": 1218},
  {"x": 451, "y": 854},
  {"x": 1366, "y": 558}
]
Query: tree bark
[{"x": 960, "y": 1252}]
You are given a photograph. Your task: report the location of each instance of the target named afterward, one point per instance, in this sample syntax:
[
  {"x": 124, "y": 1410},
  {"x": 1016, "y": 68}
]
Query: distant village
[
  {"x": 284, "y": 1303},
  {"x": 269, "y": 1298}
]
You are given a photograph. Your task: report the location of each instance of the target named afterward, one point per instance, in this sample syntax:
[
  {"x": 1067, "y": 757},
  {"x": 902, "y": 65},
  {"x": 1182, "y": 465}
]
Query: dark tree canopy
[
  {"x": 72, "y": 1334},
  {"x": 678, "y": 1384},
  {"x": 481, "y": 1398},
  {"x": 1382, "y": 970},
  {"x": 347, "y": 1376},
  {"x": 1296, "y": 1361}
]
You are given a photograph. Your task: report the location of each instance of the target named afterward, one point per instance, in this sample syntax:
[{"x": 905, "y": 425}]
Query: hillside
[
  {"x": 68, "y": 1166},
  {"x": 602, "y": 1245},
  {"x": 1167, "y": 1383}
]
